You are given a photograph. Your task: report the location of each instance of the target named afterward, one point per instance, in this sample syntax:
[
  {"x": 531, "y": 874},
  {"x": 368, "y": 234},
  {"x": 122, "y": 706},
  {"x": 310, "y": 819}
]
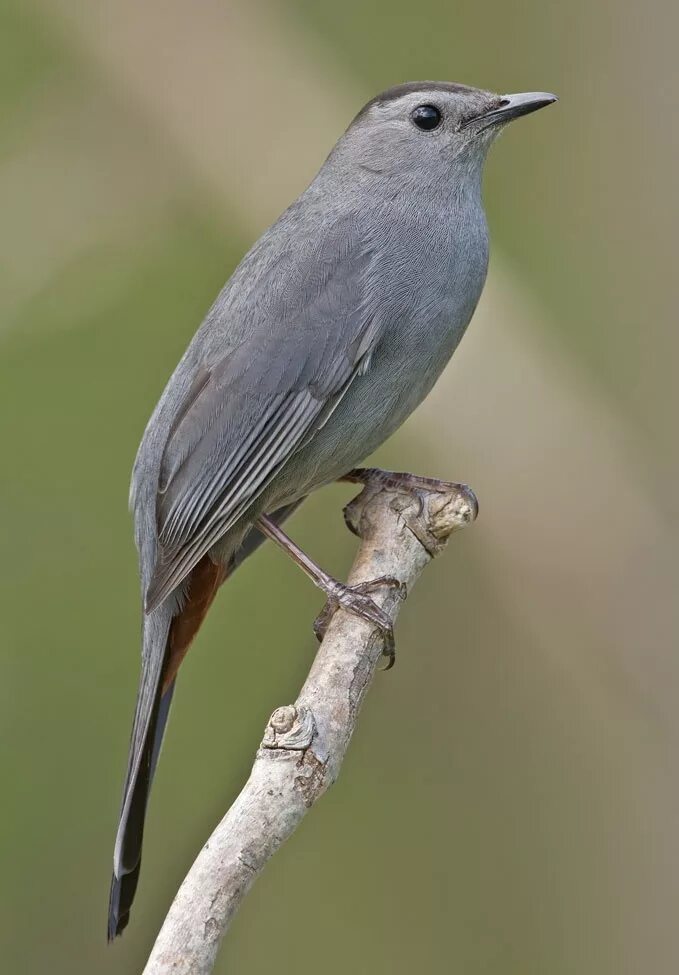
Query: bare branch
[{"x": 304, "y": 744}]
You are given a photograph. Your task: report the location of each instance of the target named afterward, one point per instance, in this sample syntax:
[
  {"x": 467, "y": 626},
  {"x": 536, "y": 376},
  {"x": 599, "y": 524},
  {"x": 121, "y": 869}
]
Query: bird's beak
[{"x": 513, "y": 106}]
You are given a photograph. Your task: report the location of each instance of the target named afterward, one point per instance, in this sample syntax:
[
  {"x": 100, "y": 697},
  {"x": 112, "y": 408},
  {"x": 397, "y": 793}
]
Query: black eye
[{"x": 426, "y": 117}]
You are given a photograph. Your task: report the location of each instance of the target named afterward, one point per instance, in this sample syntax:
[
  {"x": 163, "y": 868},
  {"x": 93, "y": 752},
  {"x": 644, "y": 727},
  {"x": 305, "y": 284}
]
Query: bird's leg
[
  {"x": 355, "y": 599},
  {"x": 413, "y": 483}
]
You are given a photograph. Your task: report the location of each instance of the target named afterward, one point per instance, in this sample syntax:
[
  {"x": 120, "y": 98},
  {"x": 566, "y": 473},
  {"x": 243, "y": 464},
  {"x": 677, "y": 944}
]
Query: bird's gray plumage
[
  {"x": 248, "y": 409},
  {"x": 329, "y": 333}
]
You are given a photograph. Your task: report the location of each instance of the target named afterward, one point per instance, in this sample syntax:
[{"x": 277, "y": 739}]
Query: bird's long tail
[
  {"x": 167, "y": 638},
  {"x": 131, "y": 829}
]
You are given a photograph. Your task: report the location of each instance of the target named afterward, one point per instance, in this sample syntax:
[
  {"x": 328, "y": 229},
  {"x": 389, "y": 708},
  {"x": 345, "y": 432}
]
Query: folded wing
[{"x": 246, "y": 415}]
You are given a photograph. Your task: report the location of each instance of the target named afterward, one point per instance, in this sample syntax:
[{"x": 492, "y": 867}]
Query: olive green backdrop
[{"x": 509, "y": 803}]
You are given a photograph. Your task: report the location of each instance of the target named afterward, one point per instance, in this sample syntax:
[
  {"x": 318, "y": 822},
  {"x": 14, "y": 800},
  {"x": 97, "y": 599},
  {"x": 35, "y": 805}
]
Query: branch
[{"x": 304, "y": 744}]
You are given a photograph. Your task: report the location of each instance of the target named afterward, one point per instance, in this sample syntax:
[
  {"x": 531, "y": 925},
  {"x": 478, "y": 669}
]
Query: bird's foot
[
  {"x": 356, "y": 600},
  {"x": 414, "y": 484}
]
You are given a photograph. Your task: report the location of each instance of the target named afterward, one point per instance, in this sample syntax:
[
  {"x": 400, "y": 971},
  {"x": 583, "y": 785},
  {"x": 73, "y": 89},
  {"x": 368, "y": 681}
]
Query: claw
[
  {"x": 417, "y": 486},
  {"x": 352, "y": 598},
  {"x": 355, "y": 599},
  {"x": 398, "y": 479}
]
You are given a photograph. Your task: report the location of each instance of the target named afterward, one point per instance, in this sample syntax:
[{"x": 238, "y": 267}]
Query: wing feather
[
  {"x": 246, "y": 414},
  {"x": 203, "y": 517},
  {"x": 189, "y": 507}
]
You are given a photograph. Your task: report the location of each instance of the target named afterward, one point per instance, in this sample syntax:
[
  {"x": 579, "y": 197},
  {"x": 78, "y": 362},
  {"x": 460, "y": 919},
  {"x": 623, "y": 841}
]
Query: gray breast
[{"x": 429, "y": 288}]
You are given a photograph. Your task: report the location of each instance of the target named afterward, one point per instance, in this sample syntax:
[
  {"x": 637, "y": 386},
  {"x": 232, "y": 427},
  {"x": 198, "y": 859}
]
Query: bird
[{"x": 331, "y": 330}]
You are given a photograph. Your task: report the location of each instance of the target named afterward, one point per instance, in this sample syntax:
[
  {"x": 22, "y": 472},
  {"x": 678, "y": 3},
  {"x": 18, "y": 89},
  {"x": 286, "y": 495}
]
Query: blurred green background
[{"x": 510, "y": 803}]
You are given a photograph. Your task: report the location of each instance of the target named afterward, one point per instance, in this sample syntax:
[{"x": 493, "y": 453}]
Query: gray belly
[{"x": 403, "y": 369}]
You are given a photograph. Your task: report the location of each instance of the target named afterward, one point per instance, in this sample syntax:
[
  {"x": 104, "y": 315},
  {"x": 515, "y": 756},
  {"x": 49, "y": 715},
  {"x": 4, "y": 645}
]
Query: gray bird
[{"x": 330, "y": 332}]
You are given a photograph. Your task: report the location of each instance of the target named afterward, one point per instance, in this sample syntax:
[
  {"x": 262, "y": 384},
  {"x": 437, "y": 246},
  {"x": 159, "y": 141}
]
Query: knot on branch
[{"x": 290, "y": 728}]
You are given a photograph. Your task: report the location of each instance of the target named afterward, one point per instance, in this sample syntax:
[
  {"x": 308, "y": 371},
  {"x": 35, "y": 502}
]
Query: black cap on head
[{"x": 408, "y": 87}]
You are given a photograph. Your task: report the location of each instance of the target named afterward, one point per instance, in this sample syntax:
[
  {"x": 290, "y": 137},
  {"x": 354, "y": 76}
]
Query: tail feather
[
  {"x": 131, "y": 829},
  {"x": 167, "y": 637},
  {"x": 120, "y": 901}
]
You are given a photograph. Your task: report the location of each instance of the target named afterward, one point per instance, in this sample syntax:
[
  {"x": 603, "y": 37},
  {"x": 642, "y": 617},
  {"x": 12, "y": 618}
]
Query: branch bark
[{"x": 304, "y": 744}]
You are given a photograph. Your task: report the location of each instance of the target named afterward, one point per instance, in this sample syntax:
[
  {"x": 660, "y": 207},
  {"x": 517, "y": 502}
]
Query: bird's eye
[{"x": 426, "y": 117}]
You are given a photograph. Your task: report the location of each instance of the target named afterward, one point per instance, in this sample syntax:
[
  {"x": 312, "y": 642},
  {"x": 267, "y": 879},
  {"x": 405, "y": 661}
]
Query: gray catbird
[{"x": 329, "y": 333}]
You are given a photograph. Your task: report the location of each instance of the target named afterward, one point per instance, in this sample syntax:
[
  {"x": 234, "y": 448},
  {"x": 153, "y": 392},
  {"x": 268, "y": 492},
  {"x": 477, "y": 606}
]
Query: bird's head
[{"x": 431, "y": 128}]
